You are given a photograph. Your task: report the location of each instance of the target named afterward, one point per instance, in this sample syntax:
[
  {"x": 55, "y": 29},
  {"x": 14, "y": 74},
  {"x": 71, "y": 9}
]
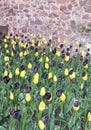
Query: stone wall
[{"x": 57, "y": 17}]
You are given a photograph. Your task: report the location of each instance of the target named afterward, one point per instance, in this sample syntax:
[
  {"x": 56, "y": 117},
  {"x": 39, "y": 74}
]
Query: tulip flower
[
  {"x": 36, "y": 78},
  {"x": 41, "y": 125},
  {"x": 42, "y": 106},
  {"x": 11, "y": 96},
  {"x": 62, "y": 97},
  {"x": 76, "y": 105},
  {"x": 42, "y": 91}
]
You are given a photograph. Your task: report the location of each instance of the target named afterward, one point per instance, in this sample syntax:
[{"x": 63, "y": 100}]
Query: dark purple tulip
[
  {"x": 73, "y": 80},
  {"x": 36, "y": 49},
  {"x": 70, "y": 46},
  {"x": 59, "y": 92},
  {"x": 68, "y": 54},
  {"x": 26, "y": 57},
  {"x": 76, "y": 103},
  {"x": 36, "y": 44},
  {"x": 35, "y": 60},
  {"x": 44, "y": 49},
  {"x": 61, "y": 46},
  {"x": 76, "y": 50},
  {"x": 84, "y": 88},
  {"x": 22, "y": 67},
  {"x": 87, "y": 54},
  {"x": 80, "y": 45},
  {"x": 59, "y": 79},
  {"x": 47, "y": 95},
  {"x": 35, "y": 70},
  {"x": 84, "y": 63},
  {"x": 48, "y": 44},
  {"x": 68, "y": 49},
  {"x": 6, "y": 79},
  {"x": 22, "y": 35},
  {"x": 17, "y": 115},
  {"x": 63, "y": 51},
  {"x": 46, "y": 120},
  {"x": 81, "y": 58},
  {"x": 71, "y": 72},
  {"x": 11, "y": 34},
  {"x": 11, "y": 62},
  {"x": 54, "y": 51},
  {"x": 38, "y": 66},
  {"x": 23, "y": 49},
  {"x": 45, "y": 76},
  {"x": 52, "y": 63},
  {"x": 34, "y": 117},
  {"x": 28, "y": 89},
  {"x": 31, "y": 48},
  {"x": 83, "y": 74},
  {"x": 57, "y": 122},
  {"x": 16, "y": 85},
  {"x": 14, "y": 51},
  {"x": 25, "y": 37},
  {"x": 63, "y": 56},
  {"x": 60, "y": 65},
  {"x": 70, "y": 61}
]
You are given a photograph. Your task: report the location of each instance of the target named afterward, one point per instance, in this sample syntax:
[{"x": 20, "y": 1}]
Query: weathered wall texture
[{"x": 56, "y": 17}]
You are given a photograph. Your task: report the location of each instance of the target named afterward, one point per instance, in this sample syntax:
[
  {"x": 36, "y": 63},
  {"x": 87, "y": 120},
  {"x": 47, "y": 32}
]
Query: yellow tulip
[
  {"x": 42, "y": 91},
  {"x": 55, "y": 78},
  {"x": 58, "y": 53},
  {"x": 66, "y": 72},
  {"x": 6, "y": 58},
  {"x": 46, "y": 65},
  {"x": 76, "y": 108},
  {"x": 86, "y": 66},
  {"x": 67, "y": 58},
  {"x": 47, "y": 59},
  {"x": 85, "y": 77},
  {"x": 40, "y": 59},
  {"x": 17, "y": 72},
  {"x": 82, "y": 53},
  {"x": 65, "y": 41},
  {"x": 62, "y": 97},
  {"x": 42, "y": 106},
  {"x": 6, "y": 46},
  {"x": 29, "y": 66},
  {"x": 77, "y": 43},
  {"x": 36, "y": 78},
  {"x": 58, "y": 40},
  {"x": 11, "y": 96},
  {"x": 21, "y": 54},
  {"x": 36, "y": 54},
  {"x": 22, "y": 74},
  {"x": 28, "y": 97},
  {"x": 5, "y": 40},
  {"x": 7, "y": 37},
  {"x": 73, "y": 75},
  {"x": 41, "y": 125},
  {"x": 10, "y": 75},
  {"x": 5, "y": 73},
  {"x": 50, "y": 75},
  {"x": 89, "y": 116}
]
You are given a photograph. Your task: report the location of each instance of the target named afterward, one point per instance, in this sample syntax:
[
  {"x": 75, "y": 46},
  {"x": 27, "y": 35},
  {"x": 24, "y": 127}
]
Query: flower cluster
[{"x": 44, "y": 86}]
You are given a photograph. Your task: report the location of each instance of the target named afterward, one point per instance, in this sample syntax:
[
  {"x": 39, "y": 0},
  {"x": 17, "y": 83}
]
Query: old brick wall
[{"x": 57, "y": 17}]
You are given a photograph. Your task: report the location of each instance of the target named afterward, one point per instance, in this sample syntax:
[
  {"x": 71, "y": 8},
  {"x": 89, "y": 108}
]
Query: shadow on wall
[{"x": 3, "y": 31}]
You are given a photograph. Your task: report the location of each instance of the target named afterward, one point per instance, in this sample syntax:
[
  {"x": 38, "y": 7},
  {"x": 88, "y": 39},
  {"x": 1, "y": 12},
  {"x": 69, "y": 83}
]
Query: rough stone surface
[{"x": 49, "y": 17}]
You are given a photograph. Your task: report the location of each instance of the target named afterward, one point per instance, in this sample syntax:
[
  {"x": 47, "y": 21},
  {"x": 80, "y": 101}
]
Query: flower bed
[{"x": 43, "y": 88}]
